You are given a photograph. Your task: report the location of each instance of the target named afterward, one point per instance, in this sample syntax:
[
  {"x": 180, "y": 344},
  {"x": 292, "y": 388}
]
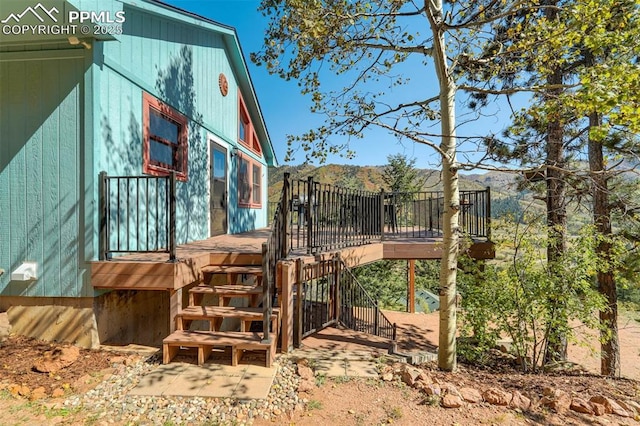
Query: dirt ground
[
  {"x": 344, "y": 401},
  {"x": 367, "y": 402}
]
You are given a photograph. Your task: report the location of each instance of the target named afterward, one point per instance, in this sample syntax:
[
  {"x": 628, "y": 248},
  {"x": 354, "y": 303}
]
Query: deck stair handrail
[
  {"x": 274, "y": 249},
  {"x": 328, "y": 293},
  {"x": 358, "y": 310},
  {"x": 137, "y": 214}
]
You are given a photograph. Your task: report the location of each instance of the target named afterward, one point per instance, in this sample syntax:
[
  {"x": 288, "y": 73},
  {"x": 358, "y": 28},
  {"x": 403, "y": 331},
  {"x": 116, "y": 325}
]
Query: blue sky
[{"x": 286, "y": 111}]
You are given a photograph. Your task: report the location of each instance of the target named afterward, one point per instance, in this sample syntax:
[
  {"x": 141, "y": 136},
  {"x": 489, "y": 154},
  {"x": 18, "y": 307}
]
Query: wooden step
[
  {"x": 205, "y": 341},
  {"x": 215, "y": 315},
  {"x": 233, "y": 272},
  {"x": 232, "y": 269},
  {"x": 225, "y": 293}
]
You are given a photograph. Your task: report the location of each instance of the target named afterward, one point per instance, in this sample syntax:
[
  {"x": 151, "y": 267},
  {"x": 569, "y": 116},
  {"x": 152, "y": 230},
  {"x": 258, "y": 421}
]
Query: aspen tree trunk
[{"x": 449, "y": 261}]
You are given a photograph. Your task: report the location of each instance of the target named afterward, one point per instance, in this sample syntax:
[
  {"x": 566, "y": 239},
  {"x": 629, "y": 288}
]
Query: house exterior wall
[
  {"x": 179, "y": 64},
  {"x": 42, "y": 170},
  {"x": 68, "y": 112}
]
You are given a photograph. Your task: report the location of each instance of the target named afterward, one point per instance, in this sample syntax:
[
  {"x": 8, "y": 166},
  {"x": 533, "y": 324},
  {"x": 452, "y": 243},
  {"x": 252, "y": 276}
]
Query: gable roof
[{"x": 236, "y": 58}]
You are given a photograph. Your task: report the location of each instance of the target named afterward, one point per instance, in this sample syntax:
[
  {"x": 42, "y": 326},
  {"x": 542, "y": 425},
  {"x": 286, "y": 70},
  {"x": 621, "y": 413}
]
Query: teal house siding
[
  {"x": 69, "y": 112},
  {"x": 179, "y": 63},
  {"x": 42, "y": 95}
]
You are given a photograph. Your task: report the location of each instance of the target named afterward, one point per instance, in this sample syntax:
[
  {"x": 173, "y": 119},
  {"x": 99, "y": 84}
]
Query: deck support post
[
  {"x": 411, "y": 299},
  {"x": 287, "y": 306}
]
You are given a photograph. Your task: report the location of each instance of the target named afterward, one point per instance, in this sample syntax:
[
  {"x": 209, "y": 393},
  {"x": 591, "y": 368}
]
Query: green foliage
[
  {"x": 401, "y": 175},
  {"x": 528, "y": 299},
  {"x": 314, "y": 404},
  {"x": 393, "y": 413},
  {"x": 380, "y": 51},
  {"x": 385, "y": 281},
  {"x": 342, "y": 379},
  {"x": 508, "y": 207}
]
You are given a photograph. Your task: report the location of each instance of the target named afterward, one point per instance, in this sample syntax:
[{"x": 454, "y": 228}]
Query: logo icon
[{"x": 34, "y": 11}]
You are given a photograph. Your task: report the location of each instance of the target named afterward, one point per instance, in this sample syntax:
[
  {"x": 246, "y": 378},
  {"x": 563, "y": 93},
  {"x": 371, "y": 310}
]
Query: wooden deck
[{"x": 152, "y": 271}]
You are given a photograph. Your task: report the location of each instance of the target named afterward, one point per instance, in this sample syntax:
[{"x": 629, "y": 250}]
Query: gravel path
[{"x": 109, "y": 402}]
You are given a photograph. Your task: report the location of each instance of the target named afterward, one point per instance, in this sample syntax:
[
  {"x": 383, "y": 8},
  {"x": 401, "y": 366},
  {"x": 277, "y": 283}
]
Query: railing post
[
  {"x": 381, "y": 212},
  {"x": 375, "y": 320},
  {"x": 338, "y": 272},
  {"x": 172, "y": 217},
  {"x": 309, "y": 214},
  {"x": 103, "y": 242},
  {"x": 395, "y": 336},
  {"x": 266, "y": 296},
  {"x": 286, "y": 226},
  {"x": 488, "y": 213}
]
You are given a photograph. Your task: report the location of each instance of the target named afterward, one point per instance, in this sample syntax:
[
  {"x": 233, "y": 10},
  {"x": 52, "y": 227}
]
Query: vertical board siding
[
  {"x": 34, "y": 167},
  {"x": 5, "y": 188},
  {"x": 51, "y": 134},
  {"x": 180, "y": 64},
  {"x": 16, "y": 169},
  {"x": 69, "y": 195},
  {"x": 40, "y": 133}
]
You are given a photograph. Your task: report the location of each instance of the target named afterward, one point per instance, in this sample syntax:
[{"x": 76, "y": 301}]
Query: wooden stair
[
  {"x": 205, "y": 341},
  {"x": 215, "y": 315},
  {"x": 224, "y": 293},
  {"x": 239, "y": 341},
  {"x": 233, "y": 272}
]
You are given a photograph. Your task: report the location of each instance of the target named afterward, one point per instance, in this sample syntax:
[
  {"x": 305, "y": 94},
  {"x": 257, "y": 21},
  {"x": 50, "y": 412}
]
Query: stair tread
[
  {"x": 224, "y": 311},
  {"x": 232, "y": 269},
  {"x": 213, "y": 338},
  {"x": 227, "y": 289}
]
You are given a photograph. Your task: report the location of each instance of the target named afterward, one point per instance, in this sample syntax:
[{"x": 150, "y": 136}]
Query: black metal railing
[
  {"x": 137, "y": 215},
  {"x": 273, "y": 250},
  {"x": 328, "y": 293},
  {"x": 316, "y": 292},
  {"x": 358, "y": 310},
  {"x": 420, "y": 214},
  {"x": 326, "y": 217}
]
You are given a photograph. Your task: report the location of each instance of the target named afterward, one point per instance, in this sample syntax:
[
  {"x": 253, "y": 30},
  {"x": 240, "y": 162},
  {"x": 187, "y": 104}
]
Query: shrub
[{"x": 527, "y": 299}]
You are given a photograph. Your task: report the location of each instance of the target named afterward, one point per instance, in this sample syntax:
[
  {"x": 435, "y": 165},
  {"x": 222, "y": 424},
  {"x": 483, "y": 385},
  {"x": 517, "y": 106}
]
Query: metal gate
[
  {"x": 315, "y": 298},
  {"x": 328, "y": 293}
]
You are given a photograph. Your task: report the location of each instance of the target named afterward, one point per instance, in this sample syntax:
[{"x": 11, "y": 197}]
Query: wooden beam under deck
[{"x": 432, "y": 250}]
